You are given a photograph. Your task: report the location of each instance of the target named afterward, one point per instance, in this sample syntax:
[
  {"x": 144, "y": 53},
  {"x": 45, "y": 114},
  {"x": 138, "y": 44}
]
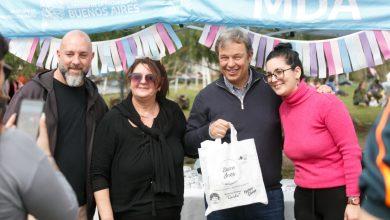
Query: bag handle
[{"x": 233, "y": 135}]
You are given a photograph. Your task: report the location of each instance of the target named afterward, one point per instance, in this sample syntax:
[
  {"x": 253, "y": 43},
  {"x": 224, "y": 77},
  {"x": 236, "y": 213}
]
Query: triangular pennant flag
[
  {"x": 356, "y": 53},
  {"x": 321, "y": 60},
  {"x": 338, "y": 65},
  {"x": 374, "y": 48},
  {"x": 115, "y": 57},
  {"x": 306, "y": 59},
  {"x": 366, "y": 49}
]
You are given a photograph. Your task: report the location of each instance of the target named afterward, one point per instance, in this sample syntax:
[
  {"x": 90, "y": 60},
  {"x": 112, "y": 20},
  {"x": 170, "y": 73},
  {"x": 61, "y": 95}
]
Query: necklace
[{"x": 150, "y": 115}]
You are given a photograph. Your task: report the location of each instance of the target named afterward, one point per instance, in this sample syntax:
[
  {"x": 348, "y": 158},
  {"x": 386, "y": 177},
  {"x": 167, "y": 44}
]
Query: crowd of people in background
[
  {"x": 129, "y": 161},
  {"x": 374, "y": 95}
]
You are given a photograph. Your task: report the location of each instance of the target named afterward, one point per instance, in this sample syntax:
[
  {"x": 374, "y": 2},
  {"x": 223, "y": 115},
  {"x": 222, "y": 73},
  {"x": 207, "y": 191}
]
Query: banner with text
[{"x": 34, "y": 18}]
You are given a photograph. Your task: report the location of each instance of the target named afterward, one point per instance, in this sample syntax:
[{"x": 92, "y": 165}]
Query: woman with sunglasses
[
  {"x": 137, "y": 161},
  {"x": 319, "y": 139}
]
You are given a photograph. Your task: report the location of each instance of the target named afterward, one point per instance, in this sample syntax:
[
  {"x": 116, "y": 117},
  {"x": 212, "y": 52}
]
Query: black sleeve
[
  {"x": 102, "y": 110},
  {"x": 198, "y": 125},
  {"x": 181, "y": 127},
  {"x": 103, "y": 153}
]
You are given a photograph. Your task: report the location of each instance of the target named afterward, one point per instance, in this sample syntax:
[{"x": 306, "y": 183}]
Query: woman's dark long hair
[
  {"x": 291, "y": 56},
  {"x": 156, "y": 67}
]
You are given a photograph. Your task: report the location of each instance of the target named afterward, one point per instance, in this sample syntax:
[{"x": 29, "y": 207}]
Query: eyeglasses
[
  {"x": 278, "y": 74},
  {"x": 137, "y": 77}
]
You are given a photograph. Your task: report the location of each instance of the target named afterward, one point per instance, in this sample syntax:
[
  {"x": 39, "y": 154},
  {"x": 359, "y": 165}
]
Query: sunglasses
[{"x": 137, "y": 77}]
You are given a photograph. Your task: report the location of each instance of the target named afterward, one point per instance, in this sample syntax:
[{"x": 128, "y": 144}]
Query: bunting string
[
  {"x": 114, "y": 55},
  {"x": 320, "y": 58}
]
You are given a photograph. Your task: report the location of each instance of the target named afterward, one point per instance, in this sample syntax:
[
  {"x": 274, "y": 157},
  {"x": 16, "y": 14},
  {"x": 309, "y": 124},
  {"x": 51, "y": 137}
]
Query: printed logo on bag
[
  {"x": 233, "y": 195},
  {"x": 230, "y": 172},
  {"x": 214, "y": 198},
  {"x": 243, "y": 157},
  {"x": 250, "y": 191}
]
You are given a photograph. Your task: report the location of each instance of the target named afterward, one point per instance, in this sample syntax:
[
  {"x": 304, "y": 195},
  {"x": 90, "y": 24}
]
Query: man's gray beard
[{"x": 71, "y": 80}]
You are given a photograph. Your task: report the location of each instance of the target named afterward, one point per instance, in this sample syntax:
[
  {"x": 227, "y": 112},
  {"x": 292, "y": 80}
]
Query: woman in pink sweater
[{"x": 320, "y": 140}]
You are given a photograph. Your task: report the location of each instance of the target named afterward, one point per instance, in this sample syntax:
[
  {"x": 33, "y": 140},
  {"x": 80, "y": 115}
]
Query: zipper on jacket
[
  {"x": 242, "y": 102},
  {"x": 243, "y": 97}
]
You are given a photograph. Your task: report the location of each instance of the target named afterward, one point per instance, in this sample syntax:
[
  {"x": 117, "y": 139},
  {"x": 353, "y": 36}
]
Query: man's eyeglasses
[
  {"x": 278, "y": 74},
  {"x": 137, "y": 77}
]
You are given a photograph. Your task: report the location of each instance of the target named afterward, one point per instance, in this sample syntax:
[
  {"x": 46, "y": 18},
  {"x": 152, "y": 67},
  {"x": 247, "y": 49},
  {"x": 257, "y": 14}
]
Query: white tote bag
[{"x": 231, "y": 173}]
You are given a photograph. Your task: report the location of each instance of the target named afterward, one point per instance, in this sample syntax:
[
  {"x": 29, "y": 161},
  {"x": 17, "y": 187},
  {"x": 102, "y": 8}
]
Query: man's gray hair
[{"x": 234, "y": 35}]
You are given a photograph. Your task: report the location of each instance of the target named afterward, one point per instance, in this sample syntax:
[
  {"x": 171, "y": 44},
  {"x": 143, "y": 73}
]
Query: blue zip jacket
[{"x": 256, "y": 117}]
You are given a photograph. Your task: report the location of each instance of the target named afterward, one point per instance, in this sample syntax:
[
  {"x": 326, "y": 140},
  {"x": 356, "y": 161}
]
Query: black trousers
[
  {"x": 162, "y": 214},
  {"x": 320, "y": 204}
]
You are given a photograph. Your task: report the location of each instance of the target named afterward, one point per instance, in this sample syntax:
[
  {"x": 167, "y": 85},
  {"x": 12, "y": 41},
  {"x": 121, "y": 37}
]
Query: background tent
[{"x": 35, "y": 18}]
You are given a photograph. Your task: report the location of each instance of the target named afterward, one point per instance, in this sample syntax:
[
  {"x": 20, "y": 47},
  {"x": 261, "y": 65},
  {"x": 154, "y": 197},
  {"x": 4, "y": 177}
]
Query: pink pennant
[
  {"x": 211, "y": 36},
  {"x": 121, "y": 52},
  {"x": 165, "y": 38},
  {"x": 382, "y": 44},
  {"x": 329, "y": 58},
  {"x": 32, "y": 50},
  {"x": 276, "y": 42}
]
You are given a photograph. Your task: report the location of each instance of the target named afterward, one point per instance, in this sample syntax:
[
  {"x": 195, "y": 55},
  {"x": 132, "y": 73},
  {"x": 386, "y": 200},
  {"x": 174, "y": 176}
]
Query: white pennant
[
  {"x": 140, "y": 52},
  {"x": 298, "y": 48},
  {"x": 107, "y": 56},
  {"x": 255, "y": 46},
  {"x": 17, "y": 46},
  {"x": 13, "y": 46},
  {"x": 152, "y": 44},
  {"x": 374, "y": 47},
  {"x": 115, "y": 57},
  {"x": 205, "y": 33},
  {"x": 54, "y": 63},
  {"x": 158, "y": 41},
  {"x": 104, "y": 67},
  {"x": 269, "y": 47},
  {"x": 54, "y": 46},
  {"x": 338, "y": 64},
  {"x": 306, "y": 58},
  {"x": 145, "y": 45},
  {"x": 321, "y": 60},
  {"x": 355, "y": 50},
  {"x": 25, "y": 51},
  {"x": 95, "y": 61}
]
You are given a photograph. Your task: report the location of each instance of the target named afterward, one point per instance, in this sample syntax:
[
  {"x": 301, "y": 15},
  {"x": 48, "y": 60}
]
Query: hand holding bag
[{"x": 231, "y": 173}]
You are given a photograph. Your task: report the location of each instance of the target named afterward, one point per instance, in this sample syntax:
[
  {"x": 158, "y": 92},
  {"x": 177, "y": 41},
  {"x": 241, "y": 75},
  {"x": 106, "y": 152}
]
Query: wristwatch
[{"x": 354, "y": 200}]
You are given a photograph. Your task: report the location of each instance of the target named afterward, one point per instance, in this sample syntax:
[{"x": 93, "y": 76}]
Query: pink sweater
[{"x": 320, "y": 139}]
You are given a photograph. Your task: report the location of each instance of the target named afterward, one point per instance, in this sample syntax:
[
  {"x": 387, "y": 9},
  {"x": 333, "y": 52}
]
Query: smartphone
[{"x": 29, "y": 116}]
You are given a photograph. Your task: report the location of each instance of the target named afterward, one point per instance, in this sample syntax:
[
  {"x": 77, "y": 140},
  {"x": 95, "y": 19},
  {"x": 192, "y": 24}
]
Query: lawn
[{"x": 362, "y": 116}]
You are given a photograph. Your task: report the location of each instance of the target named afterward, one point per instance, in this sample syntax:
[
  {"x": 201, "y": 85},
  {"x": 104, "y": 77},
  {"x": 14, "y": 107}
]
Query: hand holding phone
[{"x": 29, "y": 116}]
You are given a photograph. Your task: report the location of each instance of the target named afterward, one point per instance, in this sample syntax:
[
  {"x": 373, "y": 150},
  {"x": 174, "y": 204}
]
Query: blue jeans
[{"x": 273, "y": 211}]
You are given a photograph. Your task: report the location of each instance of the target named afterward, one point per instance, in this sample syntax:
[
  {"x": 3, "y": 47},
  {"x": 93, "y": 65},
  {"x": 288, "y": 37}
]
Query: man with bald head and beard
[{"x": 73, "y": 107}]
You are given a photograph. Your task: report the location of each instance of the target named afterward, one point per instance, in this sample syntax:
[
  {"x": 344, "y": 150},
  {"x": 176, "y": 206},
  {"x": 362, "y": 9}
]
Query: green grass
[
  {"x": 189, "y": 91},
  {"x": 362, "y": 116}
]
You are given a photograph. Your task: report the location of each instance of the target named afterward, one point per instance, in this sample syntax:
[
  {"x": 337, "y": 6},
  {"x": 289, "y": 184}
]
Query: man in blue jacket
[{"x": 241, "y": 97}]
